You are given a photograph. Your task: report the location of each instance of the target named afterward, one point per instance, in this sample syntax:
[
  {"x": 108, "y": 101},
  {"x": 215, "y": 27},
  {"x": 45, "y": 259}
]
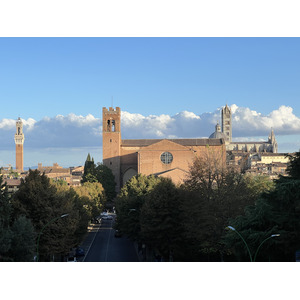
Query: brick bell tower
[
  {"x": 19, "y": 141},
  {"x": 111, "y": 138}
]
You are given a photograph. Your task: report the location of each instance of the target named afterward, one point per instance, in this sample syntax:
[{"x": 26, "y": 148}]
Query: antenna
[{"x": 112, "y": 101}]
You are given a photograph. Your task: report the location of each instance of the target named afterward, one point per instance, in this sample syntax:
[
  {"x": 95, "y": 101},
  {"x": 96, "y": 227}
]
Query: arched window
[{"x": 129, "y": 174}]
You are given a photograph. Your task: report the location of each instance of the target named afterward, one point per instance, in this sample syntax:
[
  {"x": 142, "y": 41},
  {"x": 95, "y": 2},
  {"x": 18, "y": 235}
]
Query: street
[{"x": 105, "y": 247}]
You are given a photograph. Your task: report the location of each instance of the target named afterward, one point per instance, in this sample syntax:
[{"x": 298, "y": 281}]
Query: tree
[
  {"x": 5, "y": 206},
  {"x": 129, "y": 204},
  {"x": 214, "y": 193},
  {"x": 38, "y": 200},
  {"x": 294, "y": 166},
  {"x": 161, "y": 221},
  {"x": 5, "y": 218},
  {"x": 93, "y": 195},
  {"x": 101, "y": 174},
  {"x": 23, "y": 244},
  {"x": 277, "y": 211},
  {"x": 81, "y": 214},
  {"x": 89, "y": 170},
  {"x": 105, "y": 176}
]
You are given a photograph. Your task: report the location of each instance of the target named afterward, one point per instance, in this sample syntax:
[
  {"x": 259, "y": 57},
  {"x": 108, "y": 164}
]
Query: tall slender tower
[
  {"x": 226, "y": 123},
  {"x": 273, "y": 142},
  {"x": 19, "y": 141},
  {"x": 111, "y": 137}
]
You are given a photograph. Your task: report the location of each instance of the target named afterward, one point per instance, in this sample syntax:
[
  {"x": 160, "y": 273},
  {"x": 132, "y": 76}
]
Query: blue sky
[
  {"x": 47, "y": 77},
  {"x": 50, "y": 76}
]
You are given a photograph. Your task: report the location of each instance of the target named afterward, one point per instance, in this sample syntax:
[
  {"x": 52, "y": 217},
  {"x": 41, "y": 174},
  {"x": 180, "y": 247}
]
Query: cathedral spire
[{"x": 273, "y": 142}]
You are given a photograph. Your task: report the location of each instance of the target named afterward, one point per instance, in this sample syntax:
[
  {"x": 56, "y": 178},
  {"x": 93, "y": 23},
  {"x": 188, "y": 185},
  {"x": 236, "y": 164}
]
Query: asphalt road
[{"x": 105, "y": 247}]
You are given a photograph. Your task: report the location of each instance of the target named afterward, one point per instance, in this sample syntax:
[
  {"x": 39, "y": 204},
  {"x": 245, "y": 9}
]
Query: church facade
[{"x": 161, "y": 157}]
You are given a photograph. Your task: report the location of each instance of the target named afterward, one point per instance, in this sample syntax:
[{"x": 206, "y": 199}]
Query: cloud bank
[{"x": 73, "y": 131}]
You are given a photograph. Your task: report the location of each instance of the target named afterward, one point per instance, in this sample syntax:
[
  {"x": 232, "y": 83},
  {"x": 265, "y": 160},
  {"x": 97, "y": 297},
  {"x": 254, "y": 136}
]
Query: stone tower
[
  {"x": 273, "y": 142},
  {"x": 111, "y": 138},
  {"x": 226, "y": 124},
  {"x": 19, "y": 141}
]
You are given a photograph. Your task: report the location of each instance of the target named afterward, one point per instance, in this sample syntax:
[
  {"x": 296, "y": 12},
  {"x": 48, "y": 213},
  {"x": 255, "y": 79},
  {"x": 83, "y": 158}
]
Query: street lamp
[
  {"x": 233, "y": 229},
  {"x": 38, "y": 241},
  {"x": 253, "y": 260},
  {"x": 270, "y": 237}
]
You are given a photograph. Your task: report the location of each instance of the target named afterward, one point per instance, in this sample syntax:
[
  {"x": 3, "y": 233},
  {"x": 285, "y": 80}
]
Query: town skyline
[{"x": 52, "y": 140}]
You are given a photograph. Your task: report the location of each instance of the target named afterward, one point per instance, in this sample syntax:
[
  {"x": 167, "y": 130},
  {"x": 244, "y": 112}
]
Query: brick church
[{"x": 161, "y": 157}]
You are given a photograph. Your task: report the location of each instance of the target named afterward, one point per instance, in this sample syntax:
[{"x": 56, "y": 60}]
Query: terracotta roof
[
  {"x": 183, "y": 142},
  {"x": 59, "y": 170},
  {"x": 13, "y": 182}
]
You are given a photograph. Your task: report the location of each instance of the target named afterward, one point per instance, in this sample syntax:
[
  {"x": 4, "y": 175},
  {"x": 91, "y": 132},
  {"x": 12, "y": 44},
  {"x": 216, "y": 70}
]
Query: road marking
[
  {"x": 108, "y": 242},
  {"x": 90, "y": 245}
]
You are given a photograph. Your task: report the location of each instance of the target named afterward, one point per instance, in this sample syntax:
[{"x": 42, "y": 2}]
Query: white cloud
[
  {"x": 248, "y": 122},
  {"x": 7, "y": 124}
]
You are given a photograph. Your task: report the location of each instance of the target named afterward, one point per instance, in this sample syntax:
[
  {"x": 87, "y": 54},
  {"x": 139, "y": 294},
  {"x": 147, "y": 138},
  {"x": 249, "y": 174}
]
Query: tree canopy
[
  {"x": 275, "y": 212},
  {"x": 38, "y": 200},
  {"x": 101, "y": 174}
]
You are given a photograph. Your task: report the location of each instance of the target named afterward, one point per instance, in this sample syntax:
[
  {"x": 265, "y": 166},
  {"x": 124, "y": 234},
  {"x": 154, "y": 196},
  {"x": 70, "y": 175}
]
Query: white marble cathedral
[{"x": 250, "y": 147}]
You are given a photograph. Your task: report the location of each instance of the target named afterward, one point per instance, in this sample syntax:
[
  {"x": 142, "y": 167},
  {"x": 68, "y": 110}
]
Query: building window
[{"x": 166, "y": 158}]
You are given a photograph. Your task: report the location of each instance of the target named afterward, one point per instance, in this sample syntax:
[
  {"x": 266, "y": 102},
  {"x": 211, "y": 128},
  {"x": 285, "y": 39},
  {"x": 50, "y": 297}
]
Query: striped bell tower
[{"x": 19, "y": 141}]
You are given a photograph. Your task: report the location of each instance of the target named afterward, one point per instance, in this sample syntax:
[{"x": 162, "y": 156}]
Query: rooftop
[{"x": 183, "y": 142}]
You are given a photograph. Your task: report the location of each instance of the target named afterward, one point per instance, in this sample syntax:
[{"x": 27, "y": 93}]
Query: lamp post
[
  {"x": 270, "y": 237},
  {"x": 253, "y": 260},
  {"x": 38, "y": 241},
  {"x": 233, "y": 229}
]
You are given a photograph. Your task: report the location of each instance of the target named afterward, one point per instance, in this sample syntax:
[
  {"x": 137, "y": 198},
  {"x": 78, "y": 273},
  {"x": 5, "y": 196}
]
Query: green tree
[
  {"x": 101, "y": 174},
  {"x": 38, "y": 200},
  {"x": 161, "y": 220},
  {"x": 23, "y": 244},
  {"x": 129, "y": 204},
  {"x": 277, "y": 211},
  {"x": 105, "y": 176},
  {"x": 214, "y": 194},
  {"x": 93, "y": 195},
  {"x": 5, "y": 218},
  {"x": 5, "y": 206},
  {"x": 81, "y": 213},
  {"x": 89, "y": 170},
  {"x": 294, "y": 166}
]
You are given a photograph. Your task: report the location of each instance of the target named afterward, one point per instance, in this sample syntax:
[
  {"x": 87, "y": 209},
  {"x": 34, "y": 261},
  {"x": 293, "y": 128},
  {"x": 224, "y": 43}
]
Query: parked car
[
  {"x": 79, "y": 251},
  {"x": 72, "y": 259},
  {"x": 118, "y": 233}
]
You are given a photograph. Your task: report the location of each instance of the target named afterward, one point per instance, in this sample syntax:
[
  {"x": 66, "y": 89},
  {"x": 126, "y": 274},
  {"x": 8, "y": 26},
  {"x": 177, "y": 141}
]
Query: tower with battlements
[
  {"x": 111, "y": 135},
  {"x": 19, "y": 141}
]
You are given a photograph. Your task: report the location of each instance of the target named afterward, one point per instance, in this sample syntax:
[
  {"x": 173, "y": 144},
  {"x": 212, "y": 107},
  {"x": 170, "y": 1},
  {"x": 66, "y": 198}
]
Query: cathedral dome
[{"x": 218, "y": 134}]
